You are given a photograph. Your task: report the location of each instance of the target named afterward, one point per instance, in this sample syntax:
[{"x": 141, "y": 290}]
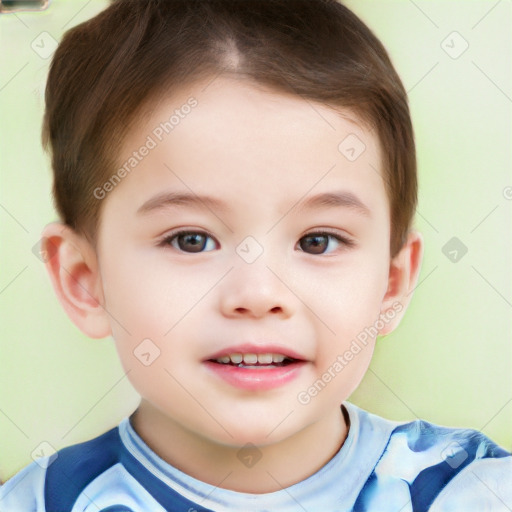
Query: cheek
[
  {"x": 149, "y": 295},
  {"x": 347, "y": 298},
  {"x": 347, "y": 301},
  {"x": 154, "y": 306}
]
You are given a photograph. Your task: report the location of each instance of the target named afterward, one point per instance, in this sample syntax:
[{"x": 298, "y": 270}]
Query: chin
[{"x": 261, "y": 433}]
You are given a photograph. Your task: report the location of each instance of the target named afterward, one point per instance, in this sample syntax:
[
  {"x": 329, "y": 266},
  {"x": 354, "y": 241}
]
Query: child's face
[{"x": 256, "y": 282}]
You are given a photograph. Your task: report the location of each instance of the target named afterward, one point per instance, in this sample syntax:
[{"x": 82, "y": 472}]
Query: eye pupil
[
  {"x": 192, "y": 242},
  {"x": 314, "y": 244}
]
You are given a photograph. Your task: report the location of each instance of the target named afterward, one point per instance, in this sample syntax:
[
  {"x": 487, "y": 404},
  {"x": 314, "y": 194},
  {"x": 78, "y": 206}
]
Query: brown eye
[
  {"x": 191, "y": 241},
  {"x": 314, "y": 244},
  {"x": 323, "y": 243}
]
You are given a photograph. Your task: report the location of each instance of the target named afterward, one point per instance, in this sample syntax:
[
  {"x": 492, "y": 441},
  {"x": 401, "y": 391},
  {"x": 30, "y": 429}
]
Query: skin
[{"x": 262, "y": 154}]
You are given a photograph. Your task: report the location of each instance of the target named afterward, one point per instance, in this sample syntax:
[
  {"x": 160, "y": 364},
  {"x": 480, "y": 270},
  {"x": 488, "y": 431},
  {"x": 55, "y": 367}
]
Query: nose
[{"x": 255, "y": 291}]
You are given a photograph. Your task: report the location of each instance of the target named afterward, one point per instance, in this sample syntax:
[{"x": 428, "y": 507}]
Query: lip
[
  {"x": 251, "y": 348},
  {"x": 256, "y": 379}
]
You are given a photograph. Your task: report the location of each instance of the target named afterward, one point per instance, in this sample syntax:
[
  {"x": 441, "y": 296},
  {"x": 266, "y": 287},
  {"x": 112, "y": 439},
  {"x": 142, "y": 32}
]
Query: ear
[
  {"x": 404, "y": 270},
  {"x": 73, "y": 268}
]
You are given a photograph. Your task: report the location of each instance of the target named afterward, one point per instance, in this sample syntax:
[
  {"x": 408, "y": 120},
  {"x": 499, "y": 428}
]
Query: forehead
[{"x": 232, "y": 138}]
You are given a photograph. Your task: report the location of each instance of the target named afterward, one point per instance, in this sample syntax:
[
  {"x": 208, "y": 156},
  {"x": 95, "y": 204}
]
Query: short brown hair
[{"x": 106, "y": 69}]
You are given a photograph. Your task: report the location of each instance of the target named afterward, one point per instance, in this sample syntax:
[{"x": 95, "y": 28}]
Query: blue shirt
[{"x": 383, "y": 466}]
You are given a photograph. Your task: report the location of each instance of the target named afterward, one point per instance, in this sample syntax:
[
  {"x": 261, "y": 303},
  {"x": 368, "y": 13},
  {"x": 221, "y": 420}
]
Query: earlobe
[
  {"x": 404, "y": 270},
  {"x": 73, "y": 269}
]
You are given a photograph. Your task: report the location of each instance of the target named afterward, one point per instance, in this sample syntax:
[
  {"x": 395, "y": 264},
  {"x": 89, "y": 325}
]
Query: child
[{"x": 247, "y": 130}]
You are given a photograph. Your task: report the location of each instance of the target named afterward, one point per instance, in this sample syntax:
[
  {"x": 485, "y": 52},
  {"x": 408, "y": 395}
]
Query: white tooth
[
  {"x": 265, "y": 358},
  {"x": 236, "y": 358},
  {"x": 250, "y": 358},
  {"x": 224, "y": 359},
  {"x": 278, "y": 358}
]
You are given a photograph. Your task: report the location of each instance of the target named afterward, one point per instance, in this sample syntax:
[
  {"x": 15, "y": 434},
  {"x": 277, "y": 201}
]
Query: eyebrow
[
  {"x": 337, "y": 199},
  {"x": 170, "y": 199},
  {"x": 184, "y": 199}
]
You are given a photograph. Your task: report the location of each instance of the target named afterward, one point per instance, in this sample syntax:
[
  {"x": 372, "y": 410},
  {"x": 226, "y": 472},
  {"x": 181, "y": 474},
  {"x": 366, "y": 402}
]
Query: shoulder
[
  {"x": 25, "y": 490},
  {"x": 447, "y": 463},
  {"x": 74, "y": 467},
  {"x": 485, "y": 484},
  {"x": 431, "y": 467},
  {"x": 54, "y": 482}
]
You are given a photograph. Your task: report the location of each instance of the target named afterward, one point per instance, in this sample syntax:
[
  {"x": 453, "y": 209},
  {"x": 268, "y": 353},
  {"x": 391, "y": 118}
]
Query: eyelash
[{"x": 167, "y": 240}]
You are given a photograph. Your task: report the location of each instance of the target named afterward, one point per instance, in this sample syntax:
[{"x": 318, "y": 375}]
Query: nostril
[{"x": 244, "y": 311}]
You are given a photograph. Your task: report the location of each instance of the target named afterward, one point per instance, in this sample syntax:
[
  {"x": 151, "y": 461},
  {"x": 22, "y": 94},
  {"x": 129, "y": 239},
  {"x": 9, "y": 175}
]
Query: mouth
[
  {"x": 252, "y": 361},
  {"x": 254, "y": 368}
]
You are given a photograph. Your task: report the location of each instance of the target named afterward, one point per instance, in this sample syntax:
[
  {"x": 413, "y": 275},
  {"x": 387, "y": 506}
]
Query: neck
[{"x": 249, "y": 469}]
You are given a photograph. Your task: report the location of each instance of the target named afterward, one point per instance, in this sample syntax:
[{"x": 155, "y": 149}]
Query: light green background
[{"x": 450, "y": 360}]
